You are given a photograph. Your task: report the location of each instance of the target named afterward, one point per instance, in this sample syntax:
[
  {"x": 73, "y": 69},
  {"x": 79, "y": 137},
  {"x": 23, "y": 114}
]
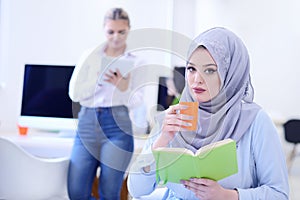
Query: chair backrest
[
  {"x": 292, "y": 130},
  {"x": 27, "y": 177}
]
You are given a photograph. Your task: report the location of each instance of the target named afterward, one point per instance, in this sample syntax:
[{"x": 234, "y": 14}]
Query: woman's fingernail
[{"x": 188, "y": 124}]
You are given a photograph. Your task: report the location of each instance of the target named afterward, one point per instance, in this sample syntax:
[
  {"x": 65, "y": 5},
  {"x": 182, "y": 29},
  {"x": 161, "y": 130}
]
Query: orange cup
[
  {"x": 192, "y": 110},
  {"x": 22, "y": 130}
]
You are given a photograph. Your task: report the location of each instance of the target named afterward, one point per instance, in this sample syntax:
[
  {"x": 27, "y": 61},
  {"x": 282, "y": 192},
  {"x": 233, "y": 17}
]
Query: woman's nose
[
  {"x": 116, "y": 35},
  {"x": 198, "y": 78}
]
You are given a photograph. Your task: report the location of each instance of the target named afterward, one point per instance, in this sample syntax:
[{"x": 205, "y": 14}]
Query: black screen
[
  {"x": 45, "y": 91},
  {"x": 163, "y": 99}
]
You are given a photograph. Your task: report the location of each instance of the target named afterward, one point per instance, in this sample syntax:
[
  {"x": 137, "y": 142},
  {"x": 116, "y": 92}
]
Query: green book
[{"x": 214, "y": 161}]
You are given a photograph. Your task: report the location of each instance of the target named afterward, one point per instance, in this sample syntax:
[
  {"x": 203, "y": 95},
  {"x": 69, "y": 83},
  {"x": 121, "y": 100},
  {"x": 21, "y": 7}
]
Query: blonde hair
[{"x": 116, "y": 14}]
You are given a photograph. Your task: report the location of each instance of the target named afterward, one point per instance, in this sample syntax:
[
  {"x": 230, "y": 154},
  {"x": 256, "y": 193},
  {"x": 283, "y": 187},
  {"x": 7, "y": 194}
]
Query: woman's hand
[
  {"x": 117, "y": 79},
  {"x": 206, "y": 189},
  {"x": 172, "y": 123}
]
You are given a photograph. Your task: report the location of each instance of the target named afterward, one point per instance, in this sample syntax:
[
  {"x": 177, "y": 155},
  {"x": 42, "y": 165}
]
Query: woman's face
[
  {"x": 202, "y": 75},
  {"x": 116, "y": 32}
]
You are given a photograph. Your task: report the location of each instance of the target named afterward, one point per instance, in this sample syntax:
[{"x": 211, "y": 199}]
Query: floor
[
  {"x": 294, "y": 180},
  {"x": 294, "y": 174}
]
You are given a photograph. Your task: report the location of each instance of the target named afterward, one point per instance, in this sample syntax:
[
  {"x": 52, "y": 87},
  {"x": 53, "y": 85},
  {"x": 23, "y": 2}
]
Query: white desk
[
  {"x": 43, "y": 144},
  {"x": 52, "y": 145}
]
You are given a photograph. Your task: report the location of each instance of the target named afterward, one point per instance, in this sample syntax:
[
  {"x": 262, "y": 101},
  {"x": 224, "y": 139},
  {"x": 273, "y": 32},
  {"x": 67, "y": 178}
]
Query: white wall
[
  {"x": 270, "y": 30},
  {"x": 56, "y": 32}
]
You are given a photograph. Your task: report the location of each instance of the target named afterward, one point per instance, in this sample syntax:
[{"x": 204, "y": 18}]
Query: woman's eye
[
  {"x": 110, "y": 32},
  {"x": 191, "y": 69},
  {"x": 209, "y": 71},
  {"x": 122, "y": 32}
]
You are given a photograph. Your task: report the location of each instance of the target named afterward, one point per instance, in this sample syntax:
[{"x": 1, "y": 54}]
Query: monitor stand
[{"x": 67, "y": 133}]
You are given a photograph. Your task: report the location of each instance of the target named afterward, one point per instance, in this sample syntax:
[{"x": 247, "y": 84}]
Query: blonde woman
[{"x": 104, "y": 137}]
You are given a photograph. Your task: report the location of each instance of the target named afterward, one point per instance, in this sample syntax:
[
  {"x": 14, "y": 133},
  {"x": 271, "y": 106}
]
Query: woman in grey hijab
[{"x": 218, "y": 77}]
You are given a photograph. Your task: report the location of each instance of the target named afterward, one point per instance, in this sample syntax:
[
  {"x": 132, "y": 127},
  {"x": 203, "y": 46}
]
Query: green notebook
[{"x": 214, "y": 161}]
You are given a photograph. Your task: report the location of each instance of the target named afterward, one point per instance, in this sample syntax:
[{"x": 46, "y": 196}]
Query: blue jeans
[{"x": 104, "y": 139}]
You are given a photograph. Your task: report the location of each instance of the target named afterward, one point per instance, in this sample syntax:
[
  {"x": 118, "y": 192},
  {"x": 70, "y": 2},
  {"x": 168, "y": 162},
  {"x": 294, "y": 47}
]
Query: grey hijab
[{"x": 231, "y": 112}]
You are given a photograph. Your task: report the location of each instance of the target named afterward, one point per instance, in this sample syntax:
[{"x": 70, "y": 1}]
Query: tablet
[{"x": 108, "y": 63}]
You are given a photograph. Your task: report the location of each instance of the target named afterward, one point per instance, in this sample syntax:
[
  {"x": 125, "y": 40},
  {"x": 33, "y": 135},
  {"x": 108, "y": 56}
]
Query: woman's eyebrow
[
  {"x": 190, "y": 63},
  {"x": 209, "y": 65},
  {"x": 205, "y": 65}
]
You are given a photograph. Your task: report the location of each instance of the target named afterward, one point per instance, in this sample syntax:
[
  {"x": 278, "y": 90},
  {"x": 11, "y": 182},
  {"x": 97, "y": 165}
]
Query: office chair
[
  {"x": 27, "y": 177},
  {"x": 292, "y": 135}
]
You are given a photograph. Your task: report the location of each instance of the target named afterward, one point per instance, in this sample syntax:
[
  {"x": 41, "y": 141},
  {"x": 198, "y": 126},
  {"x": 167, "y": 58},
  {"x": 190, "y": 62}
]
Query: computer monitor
[
  {"x": 164, "y": 99},
  {"x": 46, "y": 104}
]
